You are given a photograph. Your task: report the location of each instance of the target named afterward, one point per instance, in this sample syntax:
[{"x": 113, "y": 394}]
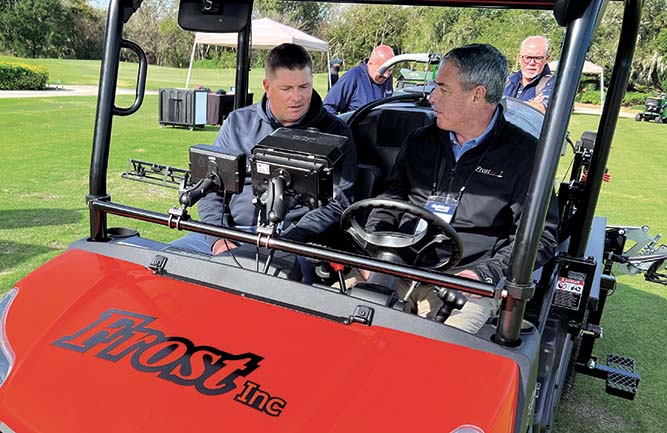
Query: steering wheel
[{"x": 400, "y": 247}]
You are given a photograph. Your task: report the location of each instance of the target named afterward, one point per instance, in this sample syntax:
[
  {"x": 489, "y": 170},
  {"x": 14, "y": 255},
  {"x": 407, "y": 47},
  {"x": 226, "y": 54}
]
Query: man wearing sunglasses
[{"x": 534, "y": 82}]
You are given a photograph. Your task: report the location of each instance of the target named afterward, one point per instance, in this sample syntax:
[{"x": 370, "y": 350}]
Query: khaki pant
[{"x": 425, "y": 301}]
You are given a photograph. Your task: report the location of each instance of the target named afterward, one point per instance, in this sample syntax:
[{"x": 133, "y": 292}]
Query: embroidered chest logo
[
  {"x": 489, "y": 172},
  {"x": 120, "y": 334}
]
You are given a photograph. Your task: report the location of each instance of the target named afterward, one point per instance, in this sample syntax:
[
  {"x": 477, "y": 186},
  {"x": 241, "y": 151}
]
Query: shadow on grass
[
  {"x": 13, "y": 254},
  {"x": 23, "y": 218}
]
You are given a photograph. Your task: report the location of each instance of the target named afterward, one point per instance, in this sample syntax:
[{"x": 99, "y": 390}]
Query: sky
[{"x": 99, "y": 3}]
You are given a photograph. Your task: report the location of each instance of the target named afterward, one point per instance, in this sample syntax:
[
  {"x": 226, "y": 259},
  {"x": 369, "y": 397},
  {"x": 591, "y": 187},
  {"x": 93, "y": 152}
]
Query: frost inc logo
[{"x": 120, "y": 334}]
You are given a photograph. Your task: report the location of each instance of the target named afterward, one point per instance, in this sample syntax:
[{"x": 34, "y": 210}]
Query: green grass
[
  {"x": 46, "y": 143},
  {"x": 87, "y": 72}
]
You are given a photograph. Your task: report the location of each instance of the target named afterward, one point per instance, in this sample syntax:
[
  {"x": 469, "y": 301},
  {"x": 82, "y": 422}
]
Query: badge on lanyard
[{"x": 444, "y": 207}]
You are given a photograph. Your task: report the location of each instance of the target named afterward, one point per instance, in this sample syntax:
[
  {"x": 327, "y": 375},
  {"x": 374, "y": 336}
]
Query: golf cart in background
[
  {"x": 145, "y": 336},
  {"x": 416, "y": 76},
  {"x": 654, "y": 109}
]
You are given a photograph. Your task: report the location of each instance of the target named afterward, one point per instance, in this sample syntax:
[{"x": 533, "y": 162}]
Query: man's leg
[
  {"x": 474, "y": 314},
  {"x": 194, "y": 242}
]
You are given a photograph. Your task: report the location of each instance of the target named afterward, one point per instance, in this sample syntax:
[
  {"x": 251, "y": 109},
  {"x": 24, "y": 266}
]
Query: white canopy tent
[
  {"x": 591, "y": 69},
  {"x": 265, "y": 34}
]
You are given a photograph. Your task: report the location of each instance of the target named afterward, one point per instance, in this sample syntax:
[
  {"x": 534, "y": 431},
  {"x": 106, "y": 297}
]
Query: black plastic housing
[
  {"x": 303, "y": 158},
  {"x": 214, "y": 16},
  {"x": 206, "y": 160}
]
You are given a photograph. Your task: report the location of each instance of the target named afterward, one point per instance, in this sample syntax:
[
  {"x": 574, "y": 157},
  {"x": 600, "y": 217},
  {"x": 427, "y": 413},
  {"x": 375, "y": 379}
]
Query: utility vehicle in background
[
  {"x": 654, "y": 109},
  {"x": 125, "y": 334}
]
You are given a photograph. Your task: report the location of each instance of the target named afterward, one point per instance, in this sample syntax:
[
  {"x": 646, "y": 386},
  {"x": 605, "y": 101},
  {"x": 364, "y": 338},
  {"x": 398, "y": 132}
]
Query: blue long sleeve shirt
[{"x": 355, "y": 89}]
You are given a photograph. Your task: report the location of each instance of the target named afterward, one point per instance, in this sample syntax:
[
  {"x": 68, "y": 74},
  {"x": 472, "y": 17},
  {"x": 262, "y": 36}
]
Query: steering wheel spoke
[{"x": 404, "y": 247}]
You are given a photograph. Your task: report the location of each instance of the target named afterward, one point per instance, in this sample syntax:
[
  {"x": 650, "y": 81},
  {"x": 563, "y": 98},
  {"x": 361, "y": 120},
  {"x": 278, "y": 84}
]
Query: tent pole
[
  {"x": 327, "y": 69},
  {"x": 601, "y": 91},
  {"x": 192, "y": 58}
]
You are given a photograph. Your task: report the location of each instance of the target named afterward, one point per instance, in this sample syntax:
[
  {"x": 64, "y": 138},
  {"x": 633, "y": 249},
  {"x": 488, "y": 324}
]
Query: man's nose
[
  {"x": 431, "y": 97},
  {"x": 296, "y": 93}
]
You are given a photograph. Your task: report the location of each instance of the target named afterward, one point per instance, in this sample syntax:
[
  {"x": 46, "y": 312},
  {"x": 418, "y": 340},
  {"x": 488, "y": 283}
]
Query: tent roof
[
  {"x": 589, "y": 67},
  {"x": 266, "y": 34}
]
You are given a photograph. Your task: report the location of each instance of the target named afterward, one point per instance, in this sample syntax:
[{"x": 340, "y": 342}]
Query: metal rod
[
  {"x": 242, "y": 68},
  {"x": 607, "y": 125},
  {"x": 103, "y": 117},
  {"x": 402, "y": 271},
  {"x": 579, "y": 34}
]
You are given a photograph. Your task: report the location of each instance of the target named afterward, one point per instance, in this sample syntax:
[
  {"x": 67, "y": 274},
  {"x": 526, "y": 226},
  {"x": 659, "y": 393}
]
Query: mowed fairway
[{"x": 45, "y": 148}]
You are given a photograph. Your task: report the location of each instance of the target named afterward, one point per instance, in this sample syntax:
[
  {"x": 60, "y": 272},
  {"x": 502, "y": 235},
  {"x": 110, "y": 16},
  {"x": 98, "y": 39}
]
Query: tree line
[{"x": 74, "y": 29}]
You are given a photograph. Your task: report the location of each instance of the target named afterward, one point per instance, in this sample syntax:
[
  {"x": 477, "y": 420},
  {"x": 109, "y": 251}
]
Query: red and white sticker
[{"x": 568, "y": 293}]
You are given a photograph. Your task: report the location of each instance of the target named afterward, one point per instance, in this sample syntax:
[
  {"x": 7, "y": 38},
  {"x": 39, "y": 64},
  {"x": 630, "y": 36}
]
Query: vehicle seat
[
  {"x": 380, "y": 135},
  {"x": 366, "y": 184},
  {"x": 378, "y": 138}
]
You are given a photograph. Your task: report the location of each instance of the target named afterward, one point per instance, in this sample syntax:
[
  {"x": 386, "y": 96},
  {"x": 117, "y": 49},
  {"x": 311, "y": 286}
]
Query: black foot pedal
[{"x": 622, "y": 377}]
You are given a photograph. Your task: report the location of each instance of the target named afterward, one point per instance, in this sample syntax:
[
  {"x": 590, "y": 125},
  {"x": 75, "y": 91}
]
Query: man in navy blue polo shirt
[
  {"x": 362, "y": 84},
  {"x": 534, "y": 82}
]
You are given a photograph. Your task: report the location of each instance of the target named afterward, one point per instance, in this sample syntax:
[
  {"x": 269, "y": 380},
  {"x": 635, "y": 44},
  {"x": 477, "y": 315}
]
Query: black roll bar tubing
[
  {"x": 141, "y": 80},
  {"x": 607, "y": 126},
  {"x": 519, "y": 283},
  {"x": 103, "y": 118},
  {"x": 265, "y": 241},
  {"x": 242, "y": 67}
]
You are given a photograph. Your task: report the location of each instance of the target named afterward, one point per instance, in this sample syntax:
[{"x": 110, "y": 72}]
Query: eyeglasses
[{"x": 536, "y": 59}]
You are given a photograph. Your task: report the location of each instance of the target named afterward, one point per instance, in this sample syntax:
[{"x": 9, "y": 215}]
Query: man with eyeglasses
[{"x": 534, "y": 82}]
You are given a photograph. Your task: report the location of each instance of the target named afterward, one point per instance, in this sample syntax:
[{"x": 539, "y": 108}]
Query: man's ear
[
  {"x": 479, "y": 94},
  {"x": 265, "y": 83}
]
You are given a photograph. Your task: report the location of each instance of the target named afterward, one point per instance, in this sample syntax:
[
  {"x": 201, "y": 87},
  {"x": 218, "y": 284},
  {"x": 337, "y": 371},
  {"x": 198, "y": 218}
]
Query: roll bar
[{"x": 582, "y": 18}]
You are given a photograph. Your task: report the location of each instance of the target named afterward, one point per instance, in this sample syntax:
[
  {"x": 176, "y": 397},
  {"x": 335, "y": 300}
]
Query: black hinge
[
  {"x": 362, "y": 314},
  {"x": 158, "y": 264}
]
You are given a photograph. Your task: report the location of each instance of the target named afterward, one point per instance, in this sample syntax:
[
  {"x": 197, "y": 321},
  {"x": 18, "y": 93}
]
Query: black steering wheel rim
[{"x": 383, "y": 241}]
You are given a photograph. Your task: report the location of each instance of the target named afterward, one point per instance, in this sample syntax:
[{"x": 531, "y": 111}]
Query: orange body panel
[{"x": 104, "y": 345}]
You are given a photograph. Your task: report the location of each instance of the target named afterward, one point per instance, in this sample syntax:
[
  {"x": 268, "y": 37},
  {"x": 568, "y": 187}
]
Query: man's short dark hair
[{"x": 288, "y": 56}]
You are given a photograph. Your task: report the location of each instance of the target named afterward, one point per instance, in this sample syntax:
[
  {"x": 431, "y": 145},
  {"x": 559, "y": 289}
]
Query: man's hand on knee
[
  {"x": 471, "y": 275},
  {"x": 222, "y": 245}
]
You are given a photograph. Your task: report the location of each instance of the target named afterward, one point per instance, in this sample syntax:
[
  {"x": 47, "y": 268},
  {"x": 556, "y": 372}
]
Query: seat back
[
  {"x": 380, "y": 135},
  {"x": 367, "y": 182}
]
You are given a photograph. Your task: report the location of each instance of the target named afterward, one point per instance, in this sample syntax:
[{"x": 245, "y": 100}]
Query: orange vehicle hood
[{"x": 105, "y": 345}]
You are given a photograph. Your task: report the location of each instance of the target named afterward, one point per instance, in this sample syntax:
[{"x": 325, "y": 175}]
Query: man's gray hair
[
  {"x": 544, "y": 40},
  {"x": 480, "y": 65}
]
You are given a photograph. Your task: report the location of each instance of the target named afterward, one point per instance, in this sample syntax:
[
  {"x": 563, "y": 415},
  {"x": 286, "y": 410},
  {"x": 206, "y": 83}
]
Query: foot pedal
[{"x": 622, "y": 377}]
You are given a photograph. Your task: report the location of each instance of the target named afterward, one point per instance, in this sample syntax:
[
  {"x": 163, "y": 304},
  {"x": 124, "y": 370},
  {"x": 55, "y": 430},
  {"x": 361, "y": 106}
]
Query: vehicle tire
[
  {"x": 638, "y": 117},
  {"x": 568, "y": 382}
]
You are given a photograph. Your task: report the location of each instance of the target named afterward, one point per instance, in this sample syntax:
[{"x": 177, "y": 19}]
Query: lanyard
[{"x": 441, "y": 172}]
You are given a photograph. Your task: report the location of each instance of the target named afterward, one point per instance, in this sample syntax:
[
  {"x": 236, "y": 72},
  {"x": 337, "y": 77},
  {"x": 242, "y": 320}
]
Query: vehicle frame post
[
  {"x": 103, "y": 118},
  {"x": 579, "y": 34}
]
